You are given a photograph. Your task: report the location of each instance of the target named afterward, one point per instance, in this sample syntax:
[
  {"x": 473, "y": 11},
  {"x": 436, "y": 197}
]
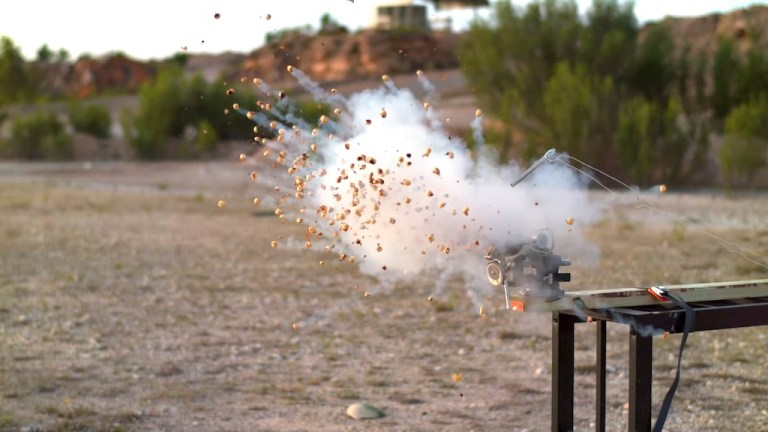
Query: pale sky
[{"x": 160, "y": 28}]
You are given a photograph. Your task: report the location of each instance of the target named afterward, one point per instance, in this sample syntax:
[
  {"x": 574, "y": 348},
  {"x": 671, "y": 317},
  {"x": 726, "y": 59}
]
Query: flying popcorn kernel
[
  {"x": 436, "y": 171},
  {"x": 230, "y": 91},
  {"x": 383, "y": 113},
  {"x": 465, "y": 210},
  {"x": 478, "y": 113},
  {"x": 385, "y": 78},
  {"x": 236, "y": 106},
  {"x": 569, "y": 221},
  {"x": 221, "y": 204},
  {"x": 323, "y": 119},
  {"x": 289, "y": 68},
  {"x": 274, "y": 244},
  {"x": 243, "y": 157},
  {"x": 662, "y": 188},
  {"x": 256, "y": 201}
]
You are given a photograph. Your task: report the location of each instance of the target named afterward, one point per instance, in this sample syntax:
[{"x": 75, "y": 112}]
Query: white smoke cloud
[{"x": 383, "y": 182}]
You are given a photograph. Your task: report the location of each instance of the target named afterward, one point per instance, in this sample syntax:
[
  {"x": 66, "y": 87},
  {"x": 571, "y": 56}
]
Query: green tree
[
  {"x": 39, "y": 135},
  {"x": 575, "y": 106},
  {"x": 159, "y": 115},
  {"x": 635, "y": 138},
  {"x": 700, "y": 81},
  {"x": 510, "y": 60},
  {"x": 173, "y": 102},
  {"x": 16, "y": 80},
  {"x": 653, "y": 68},
  {"x": 543, "y": 65},
  {"x": 609, "y": 38},
  {"x": 724, "y": 67},
  {"x": 44, "y": 54},
  {"x": 751, "y": 80},
  {"x": 744, "y": 148},
  {"x": 62, "y": 55},
  {"x": 206, "y": 139},
  {"x": 90, "y": 119},
  {"x": 653, "y": 141}
]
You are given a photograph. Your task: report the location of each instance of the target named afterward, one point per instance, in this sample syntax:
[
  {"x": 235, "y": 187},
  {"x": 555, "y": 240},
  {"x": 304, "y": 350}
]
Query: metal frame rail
[{"x": 663, "y": 317}]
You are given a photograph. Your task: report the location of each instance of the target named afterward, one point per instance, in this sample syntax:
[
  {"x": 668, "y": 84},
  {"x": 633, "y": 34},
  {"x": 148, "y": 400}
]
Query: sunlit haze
[{"x": 158, "y": 29}]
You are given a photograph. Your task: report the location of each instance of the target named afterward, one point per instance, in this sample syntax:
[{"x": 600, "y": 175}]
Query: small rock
[{"x": 363, "y": 411}]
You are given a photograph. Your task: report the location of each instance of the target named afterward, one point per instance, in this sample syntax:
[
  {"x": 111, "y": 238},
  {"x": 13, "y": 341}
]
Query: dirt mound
[
  {"x": 366, "y": 54},
  {"x": 746, "y": 26}
]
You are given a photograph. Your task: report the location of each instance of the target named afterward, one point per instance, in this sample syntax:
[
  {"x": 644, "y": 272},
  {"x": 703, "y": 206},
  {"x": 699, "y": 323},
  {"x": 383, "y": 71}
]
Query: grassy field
[{"x": 130, "y": 301}]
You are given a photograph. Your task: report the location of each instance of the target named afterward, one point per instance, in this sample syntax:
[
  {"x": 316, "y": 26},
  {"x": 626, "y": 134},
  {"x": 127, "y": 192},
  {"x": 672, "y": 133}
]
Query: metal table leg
[
  {"x": 562, "y": 371},
  {"x": 640, "y": 370},
  {"x": 600, "y": 361}
]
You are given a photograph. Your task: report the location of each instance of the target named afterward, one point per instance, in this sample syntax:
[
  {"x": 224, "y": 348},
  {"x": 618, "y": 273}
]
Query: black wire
[{"x": 689, "y": 320}]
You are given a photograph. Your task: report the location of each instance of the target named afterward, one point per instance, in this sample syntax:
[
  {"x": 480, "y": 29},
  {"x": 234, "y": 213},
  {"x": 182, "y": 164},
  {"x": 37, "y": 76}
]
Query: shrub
[
  {"x": 207, "y": 138},
  {"x": 746, "y": 140},
  {"x": 40, "y": 135},
  {"x": 90, "y": 119}
]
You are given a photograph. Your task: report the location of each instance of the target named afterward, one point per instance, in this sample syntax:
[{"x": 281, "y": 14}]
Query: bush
[
  {"x": 90, "y": 119},
  {"x": 40, "y": 135},
  {"x": 746, "y": 140},
  {"x": 173, "y": 102},
  {"x": 207, "y": 138}
]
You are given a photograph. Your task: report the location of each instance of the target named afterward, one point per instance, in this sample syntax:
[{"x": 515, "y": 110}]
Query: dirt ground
[{"x": 129, "y": 301}]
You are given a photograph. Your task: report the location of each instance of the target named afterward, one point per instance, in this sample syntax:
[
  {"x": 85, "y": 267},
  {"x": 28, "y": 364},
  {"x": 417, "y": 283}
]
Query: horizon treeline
[
  {"x": 640, "y": 104},
  {"x": 633, "y": 102}
]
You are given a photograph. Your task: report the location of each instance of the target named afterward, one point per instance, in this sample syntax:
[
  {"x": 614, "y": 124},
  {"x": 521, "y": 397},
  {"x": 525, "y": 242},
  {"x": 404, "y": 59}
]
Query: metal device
[
  {"x": 531, "y": 268},
  {"x": 549, "y": 156}
]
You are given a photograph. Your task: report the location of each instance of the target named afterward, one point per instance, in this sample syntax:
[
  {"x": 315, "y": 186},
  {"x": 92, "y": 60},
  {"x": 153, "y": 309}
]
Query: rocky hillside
[
  {"x": 365, "y": 54},
  {"x": 747, "y": 26}
]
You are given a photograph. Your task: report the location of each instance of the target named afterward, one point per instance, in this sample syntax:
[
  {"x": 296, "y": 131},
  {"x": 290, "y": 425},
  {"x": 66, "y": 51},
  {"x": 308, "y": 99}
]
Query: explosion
[{"x": 381, "y": 183}]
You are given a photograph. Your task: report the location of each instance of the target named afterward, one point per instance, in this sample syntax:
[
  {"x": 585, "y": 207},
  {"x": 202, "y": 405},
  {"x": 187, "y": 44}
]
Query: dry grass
[{"x": 130, "y": 301}]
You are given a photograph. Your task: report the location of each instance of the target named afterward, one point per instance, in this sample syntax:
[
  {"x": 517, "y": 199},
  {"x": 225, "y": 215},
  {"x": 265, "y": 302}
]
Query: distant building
[
  {"x": 459, "y": 4},
  {"x": 406, "y": 14},
  {"x": 402, "y": 16}
]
